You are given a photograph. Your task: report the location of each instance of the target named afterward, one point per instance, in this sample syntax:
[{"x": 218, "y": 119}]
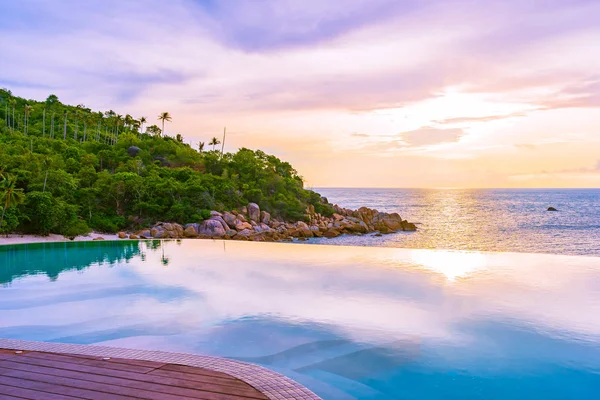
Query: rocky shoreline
[{"x": 251, "y": 224}]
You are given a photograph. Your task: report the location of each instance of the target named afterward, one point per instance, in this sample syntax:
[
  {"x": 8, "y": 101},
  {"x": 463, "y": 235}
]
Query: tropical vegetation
[{"x": 68, "y": 169}]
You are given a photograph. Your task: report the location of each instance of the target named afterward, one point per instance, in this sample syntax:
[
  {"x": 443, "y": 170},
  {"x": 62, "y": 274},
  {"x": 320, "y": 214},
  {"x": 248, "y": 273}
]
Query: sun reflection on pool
[{"x": 452, "y": 264}]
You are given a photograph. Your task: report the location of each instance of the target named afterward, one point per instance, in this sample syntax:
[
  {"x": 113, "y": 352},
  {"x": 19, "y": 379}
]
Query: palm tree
[
  {"x": 164, "y": 116},
  {"x": 28, "y": 110},
  {"x": 200, "y": 147},
  {"x": 143, "y": 120},
  {"x": 9, "y": 194},
  {"x": 65, "y": 126},
  {"x": 214, "y": 141}
]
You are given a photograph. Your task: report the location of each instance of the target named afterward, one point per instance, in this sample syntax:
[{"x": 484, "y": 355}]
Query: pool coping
[{"x": 272, "y": 384}]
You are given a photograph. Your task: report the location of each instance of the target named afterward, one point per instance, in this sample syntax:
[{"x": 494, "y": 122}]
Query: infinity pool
[{"x": 347, "y": 322}]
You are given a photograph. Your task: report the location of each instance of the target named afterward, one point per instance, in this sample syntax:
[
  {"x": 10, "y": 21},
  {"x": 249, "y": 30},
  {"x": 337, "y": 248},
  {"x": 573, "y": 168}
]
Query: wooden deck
[{"x": 50, "y": 376}]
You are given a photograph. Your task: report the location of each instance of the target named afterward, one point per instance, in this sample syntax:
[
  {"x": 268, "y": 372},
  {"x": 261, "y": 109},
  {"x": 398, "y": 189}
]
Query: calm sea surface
[{"x": 513, "y": 220}]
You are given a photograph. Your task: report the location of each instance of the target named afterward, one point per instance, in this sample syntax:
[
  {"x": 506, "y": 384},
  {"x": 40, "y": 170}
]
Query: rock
[
  {"x": 262, "y": 228},
  {"x": 159, "y": 233},
  {"x": 244, "y": 210},
  {"x": 211, "y": 228},
  {"x": 190, "y": 231},
  {"x": 408, "y": 226},
  {"x": 243, "y": 226},
  {"x": 302, "y": 225},
  {"x": 215, "y": 214},
  {"x": 221, "y": 221},
  {"x": 338, "y": 217},
  {"x": 551, "y": 209},
  {"x": 254, "y": 212},
  {"x": 229, "y": 219},
  {"x": 231, "y": 233},
  {"x": 331, "y": 233},
  {"x": 265, "y": 217},
  {"x": 245, "y": 233},
  {"x": 133, "y": 236},
  {"x": 98, "y": 238},
  {"x": 168, "y": 227},
  {"x": 122, "y": 235},
  {"x": 133, "y": 151},
  {"x": 144, "y": 234}
]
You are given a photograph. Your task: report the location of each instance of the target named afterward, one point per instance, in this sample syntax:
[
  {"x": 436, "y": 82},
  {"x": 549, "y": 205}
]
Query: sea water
[{"x": 513, "y": 220}]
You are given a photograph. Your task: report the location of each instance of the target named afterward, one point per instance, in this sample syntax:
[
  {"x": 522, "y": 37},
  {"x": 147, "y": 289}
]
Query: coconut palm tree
[
  {"x": 200, "y": 147},
  {"x": 28, "y": 110},
  {"x": 9, "y": 194},
  {"x": 142, "y": 120},
  {"x": 164, "y": 116},
  {"x": 214, "y": 141}
]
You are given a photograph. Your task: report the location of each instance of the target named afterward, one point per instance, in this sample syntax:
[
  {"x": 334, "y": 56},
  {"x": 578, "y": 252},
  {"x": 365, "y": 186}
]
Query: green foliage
[{"x": 71, "y": 185}]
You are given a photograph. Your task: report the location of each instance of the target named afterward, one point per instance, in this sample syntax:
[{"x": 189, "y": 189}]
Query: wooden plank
[
  {"x": 222, "y": 379},
  {"x": 82, "y": 359},
  {"x": 133, "y": 380},
  {"x": 98, "y": 363},
  {"x": 56, "y": 391},
  {"x": 86, "y": 389},
  {"x": 199, "y": 379},
  {"x": 22, "y": 393}
]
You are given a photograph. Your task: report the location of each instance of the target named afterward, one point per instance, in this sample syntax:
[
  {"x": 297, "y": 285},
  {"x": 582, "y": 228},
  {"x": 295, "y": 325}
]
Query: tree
[
  {"x": 9, "y": 195},
  {"x": 28, "y": 110},
  {"x": 153, "y": 130},
  {"x": 200, "y": 147},
  {"x": 143, "y": 120},
  {"x": 164, "y": 116},
  {"x": 179, "y": 138},
  {"x": 214, "y": 141}
]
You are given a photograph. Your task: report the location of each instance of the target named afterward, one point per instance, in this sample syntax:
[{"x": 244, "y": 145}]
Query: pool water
[{"x": 347, "y": 322}]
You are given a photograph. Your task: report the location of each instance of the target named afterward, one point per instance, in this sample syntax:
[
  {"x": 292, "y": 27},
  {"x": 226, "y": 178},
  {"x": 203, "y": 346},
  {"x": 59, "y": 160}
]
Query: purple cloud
[{"x": 255, "y": 25}]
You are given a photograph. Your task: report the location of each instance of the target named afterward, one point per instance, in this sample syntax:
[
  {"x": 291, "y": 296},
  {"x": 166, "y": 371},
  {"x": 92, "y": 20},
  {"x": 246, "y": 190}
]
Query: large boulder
[
  {"x": 331, "y": 233},
  {"x": 265, "y": 217},
  {"x": 243, "y": 226},
  {"x": 244, "y": 233},
  {"x": 254, "y": 212},
  {"x": 230, "y": 219},
  {"x": 211, "y": 228},
  {"x": 551, "y": 209},
  {"x": 122, "y": 235},
  {"x": 133, "y": 151},
  {"x": 190, "y": 231},
  {"x": 221, "y": 221}
]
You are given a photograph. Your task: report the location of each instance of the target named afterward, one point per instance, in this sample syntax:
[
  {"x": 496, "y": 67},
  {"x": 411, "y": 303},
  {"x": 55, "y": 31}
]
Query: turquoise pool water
[{"x": 347, "y": 322}]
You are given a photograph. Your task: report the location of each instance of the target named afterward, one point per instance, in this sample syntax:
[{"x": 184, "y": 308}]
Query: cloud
[
  {"x": 462, "y": 120},
  {"x": 253, "y": 25},
  {"x": 361, "y": 135},
  {"x": 430, "y": 136}
]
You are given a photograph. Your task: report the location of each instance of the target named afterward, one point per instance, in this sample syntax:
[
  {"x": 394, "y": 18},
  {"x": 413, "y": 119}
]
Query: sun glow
[{"x": 452, "y": 264}]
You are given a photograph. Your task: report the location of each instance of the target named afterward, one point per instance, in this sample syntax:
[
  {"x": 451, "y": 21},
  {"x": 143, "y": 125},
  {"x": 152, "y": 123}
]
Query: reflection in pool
[{"x": 347, "y": 322}]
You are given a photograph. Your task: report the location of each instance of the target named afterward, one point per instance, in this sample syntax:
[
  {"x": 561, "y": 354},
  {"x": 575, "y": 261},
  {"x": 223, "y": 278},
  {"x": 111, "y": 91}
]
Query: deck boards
[{"x": 50, "y": 376}]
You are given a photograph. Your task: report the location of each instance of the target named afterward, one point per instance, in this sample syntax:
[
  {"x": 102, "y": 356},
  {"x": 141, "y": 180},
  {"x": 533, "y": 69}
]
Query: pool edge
[{"x": 272, "y": 384}]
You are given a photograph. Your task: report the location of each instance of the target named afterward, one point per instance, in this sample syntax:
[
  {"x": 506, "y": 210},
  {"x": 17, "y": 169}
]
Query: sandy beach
[{"x": 21, "y": 239}]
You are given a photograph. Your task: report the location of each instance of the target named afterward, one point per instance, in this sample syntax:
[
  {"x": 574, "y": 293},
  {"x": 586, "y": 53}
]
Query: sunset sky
[{"x": 354, "y": 93}]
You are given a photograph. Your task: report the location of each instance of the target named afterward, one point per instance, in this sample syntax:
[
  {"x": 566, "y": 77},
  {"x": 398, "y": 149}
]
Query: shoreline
[{"x": 15, "y": 238}]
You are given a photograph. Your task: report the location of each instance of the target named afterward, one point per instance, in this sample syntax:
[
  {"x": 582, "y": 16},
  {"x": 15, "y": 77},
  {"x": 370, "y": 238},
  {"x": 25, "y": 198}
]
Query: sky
[{"x": 353, "y": 93}]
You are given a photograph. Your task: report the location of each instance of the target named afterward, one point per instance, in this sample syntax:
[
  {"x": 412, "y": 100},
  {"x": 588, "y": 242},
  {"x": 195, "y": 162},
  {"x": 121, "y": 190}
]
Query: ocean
[{"x": 504, "y": 220}]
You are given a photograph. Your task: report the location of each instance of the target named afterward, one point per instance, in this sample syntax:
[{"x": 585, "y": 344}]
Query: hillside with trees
[{"x": 68, "y": 170}]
